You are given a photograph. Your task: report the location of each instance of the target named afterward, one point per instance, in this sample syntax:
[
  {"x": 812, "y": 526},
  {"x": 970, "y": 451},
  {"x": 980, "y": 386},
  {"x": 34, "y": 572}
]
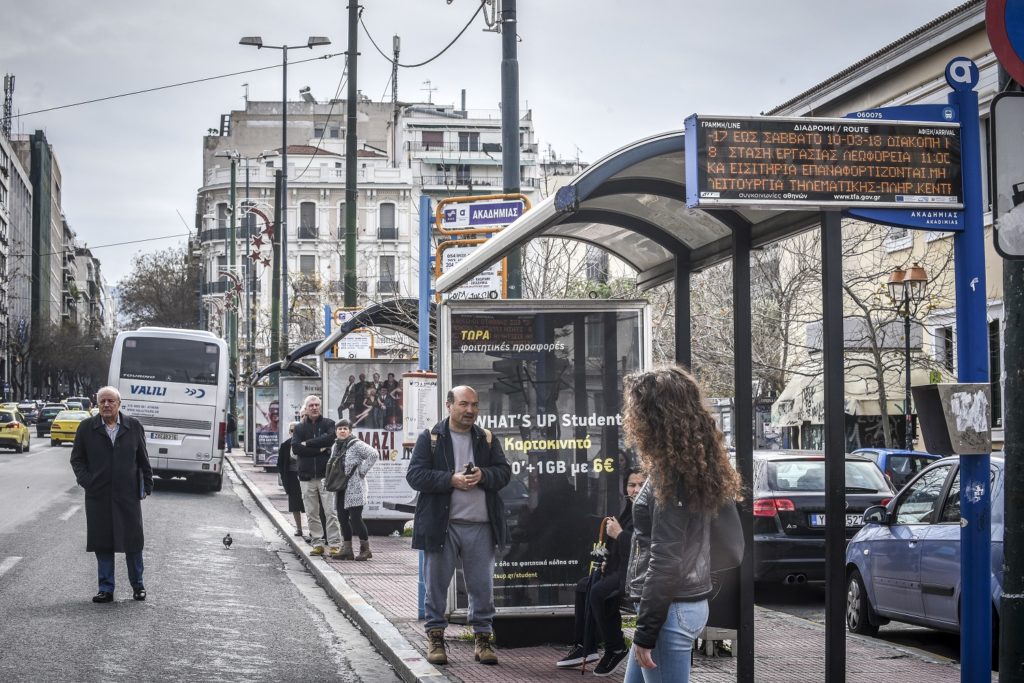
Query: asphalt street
[{"x": 251, "y": 613}]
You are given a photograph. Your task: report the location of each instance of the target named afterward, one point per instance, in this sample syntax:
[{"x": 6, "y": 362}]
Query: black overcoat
[{"x": 111, "y": 476}]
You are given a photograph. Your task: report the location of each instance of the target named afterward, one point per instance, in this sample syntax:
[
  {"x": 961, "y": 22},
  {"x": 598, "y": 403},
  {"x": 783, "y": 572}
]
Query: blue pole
[
  {"x": 327, "y": 326},
  {"x": 426, "y": 229},
  {"x": 972, "y": 360}
]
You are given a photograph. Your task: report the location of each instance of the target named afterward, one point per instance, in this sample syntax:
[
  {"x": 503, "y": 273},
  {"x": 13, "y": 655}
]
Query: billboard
[
  {"x": 294, "y": 391},
  {"x": 549, "y": 379},
  {"x": 267, "y": 423},
  {"x": 368, "y": 393}
]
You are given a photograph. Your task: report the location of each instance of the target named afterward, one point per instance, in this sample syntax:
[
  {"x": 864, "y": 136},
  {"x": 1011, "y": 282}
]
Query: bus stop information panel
[{"x": 805, "y": 162}]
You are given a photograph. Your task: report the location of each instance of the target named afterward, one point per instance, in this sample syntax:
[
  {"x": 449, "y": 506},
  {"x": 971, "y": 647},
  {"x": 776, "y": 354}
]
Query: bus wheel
[{"x": 217, "y": 483}]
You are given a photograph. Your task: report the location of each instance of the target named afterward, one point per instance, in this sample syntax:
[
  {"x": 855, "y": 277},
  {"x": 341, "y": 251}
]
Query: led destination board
[{"x": 802, "y": 162}]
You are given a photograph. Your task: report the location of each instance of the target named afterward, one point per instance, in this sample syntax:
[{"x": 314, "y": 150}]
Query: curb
[{"x": 409, "y": 664}]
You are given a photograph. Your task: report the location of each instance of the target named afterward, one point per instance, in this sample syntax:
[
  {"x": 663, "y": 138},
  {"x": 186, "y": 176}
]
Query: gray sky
[{"x": 597, "y": 74}]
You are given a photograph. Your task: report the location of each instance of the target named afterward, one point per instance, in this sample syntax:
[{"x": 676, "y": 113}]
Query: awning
[
  {"x": 803, "y": 398},
  {"x": 633, "y": 204},
  {"x": 400, "y": 315}
]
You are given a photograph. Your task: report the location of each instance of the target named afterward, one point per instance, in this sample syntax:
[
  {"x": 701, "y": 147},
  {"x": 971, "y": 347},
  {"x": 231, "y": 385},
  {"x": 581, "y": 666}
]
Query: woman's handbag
[
  {"x": 336, "y": 479},
  {"x": 727, "y": 542}
]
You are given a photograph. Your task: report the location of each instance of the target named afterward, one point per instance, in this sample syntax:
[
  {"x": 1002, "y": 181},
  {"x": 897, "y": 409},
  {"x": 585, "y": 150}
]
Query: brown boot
[
  {"x": 483, "y": 652},
  {"x": 344, "y": 552},
  {"x": 435, "y": 646},
  {"x": 364, "y": 551}
]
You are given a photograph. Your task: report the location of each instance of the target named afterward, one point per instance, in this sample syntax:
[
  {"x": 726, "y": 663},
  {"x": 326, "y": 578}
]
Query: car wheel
[
  {"x": 858, "y": 609},
  {"x": 54, "y": 442},
  {"x": 28, "y": 444},
  {"x": 19, "y": 448}
]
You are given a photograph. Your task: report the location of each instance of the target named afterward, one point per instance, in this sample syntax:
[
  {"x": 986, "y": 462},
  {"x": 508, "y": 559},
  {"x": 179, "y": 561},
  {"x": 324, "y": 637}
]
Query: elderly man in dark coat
[{"x": 111, "y": 463}]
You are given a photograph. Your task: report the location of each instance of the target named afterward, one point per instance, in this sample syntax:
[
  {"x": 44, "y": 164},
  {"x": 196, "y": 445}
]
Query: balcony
[
  {"x": 315, "y": 174},
  {"x": 445, "y": 181},
  {"x": 221, "y": 234},
  {"x": 387, "y": 287},
  {"x": 387, "y": 233},
  {"x": 308, "y": 232},
  {"x": 467, "y": 147}
]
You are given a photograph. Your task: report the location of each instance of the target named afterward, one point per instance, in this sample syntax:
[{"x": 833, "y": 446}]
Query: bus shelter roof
[
  {"x": 279, "y": 366},
  {"x": 632, "y": 203},
  {"x": 400, "y": 315}
]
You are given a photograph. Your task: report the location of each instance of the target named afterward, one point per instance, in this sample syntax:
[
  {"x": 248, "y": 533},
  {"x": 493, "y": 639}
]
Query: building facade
[{"x": 15, "y": 273}]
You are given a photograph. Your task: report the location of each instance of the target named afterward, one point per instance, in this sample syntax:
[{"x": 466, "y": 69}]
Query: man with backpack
[{"x": 458, "y": 468}]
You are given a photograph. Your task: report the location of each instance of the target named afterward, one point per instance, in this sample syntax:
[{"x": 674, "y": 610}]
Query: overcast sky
[{"x": 597, "y": 74}]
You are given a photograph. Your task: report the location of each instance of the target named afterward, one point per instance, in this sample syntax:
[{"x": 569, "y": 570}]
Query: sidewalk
[{"x": 380, "y": 596}]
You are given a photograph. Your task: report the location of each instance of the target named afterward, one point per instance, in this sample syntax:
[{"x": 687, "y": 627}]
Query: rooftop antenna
[
  {"x": 5, "y": 123},
  {"x": 246, "y": 96},
  {"x": 430, "y": 91}
]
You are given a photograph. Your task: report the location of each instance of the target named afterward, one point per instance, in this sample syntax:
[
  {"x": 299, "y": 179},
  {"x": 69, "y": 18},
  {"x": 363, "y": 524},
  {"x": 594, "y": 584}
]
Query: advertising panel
[
  {"x": 267, "y": 422},
  {"x": 549, "y": 379},
  {"x": 294, "y": 391},
  {"x": 419, "y": 390},
  {"x": 368, "y": 393}
]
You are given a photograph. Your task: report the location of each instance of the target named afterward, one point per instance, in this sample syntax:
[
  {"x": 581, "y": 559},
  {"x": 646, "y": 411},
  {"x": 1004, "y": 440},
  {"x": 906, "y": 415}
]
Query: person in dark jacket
[
  {"x": 111, "y": 463},
  {"x": 311, "y": 444},
  {"x": 289, "y": 478},
  {"x": 598, "y": 618},
  {"x": 665, "y": 418},
  {"x": 458, "y": 469}
]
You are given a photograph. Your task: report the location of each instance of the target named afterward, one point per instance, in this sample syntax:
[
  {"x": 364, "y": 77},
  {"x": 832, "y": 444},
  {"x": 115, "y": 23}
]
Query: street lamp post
[
  {"x": 257, "y": 42},
  {"x": 906, "y": 287}
]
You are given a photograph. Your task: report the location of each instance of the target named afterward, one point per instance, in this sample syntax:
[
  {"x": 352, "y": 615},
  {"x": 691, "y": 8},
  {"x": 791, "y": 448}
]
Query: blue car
[
  {"x": 904, "y": 564},
  {"x": 897, "y": 464}
]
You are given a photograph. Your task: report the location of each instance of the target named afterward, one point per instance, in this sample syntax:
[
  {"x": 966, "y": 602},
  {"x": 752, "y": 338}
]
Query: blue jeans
[
  {"x": 683, "y": 623},
  {"x": 105, "y": 567}
]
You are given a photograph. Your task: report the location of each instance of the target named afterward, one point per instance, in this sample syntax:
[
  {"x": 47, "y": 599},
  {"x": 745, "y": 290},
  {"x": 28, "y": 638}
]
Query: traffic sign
[
  {"x": 1004, "y": 22},
  {"x": 481, "y": 214},
  {"x": 1008, "y": 174}
]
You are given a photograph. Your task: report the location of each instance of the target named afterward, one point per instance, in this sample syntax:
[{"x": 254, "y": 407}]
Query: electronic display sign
[{"x": 812, "y": 162}]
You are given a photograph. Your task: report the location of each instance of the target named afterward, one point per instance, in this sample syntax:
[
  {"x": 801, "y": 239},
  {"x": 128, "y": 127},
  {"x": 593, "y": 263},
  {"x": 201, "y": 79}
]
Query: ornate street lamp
[{"x": 906, "y": 287}]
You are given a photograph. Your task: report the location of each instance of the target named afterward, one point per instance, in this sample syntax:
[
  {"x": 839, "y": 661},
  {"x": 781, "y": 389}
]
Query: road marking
[
  {"x": 70, "y": 513},
  {"x": 7, "y": 563}
]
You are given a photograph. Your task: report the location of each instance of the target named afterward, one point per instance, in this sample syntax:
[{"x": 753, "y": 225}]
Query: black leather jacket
[
  {"x": 319, "y": 437},
  {"x": 670, "y": 560}
]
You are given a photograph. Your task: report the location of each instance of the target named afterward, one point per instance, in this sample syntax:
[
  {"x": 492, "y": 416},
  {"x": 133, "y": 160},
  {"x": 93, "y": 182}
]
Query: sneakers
[
  {"x": 575, "y": 658},
  {"x": 317, "y": 550},
  {"x": 611, "y": 661},
  {"x": 435, "y": 647},
  {"x": 483, "y": 651}
]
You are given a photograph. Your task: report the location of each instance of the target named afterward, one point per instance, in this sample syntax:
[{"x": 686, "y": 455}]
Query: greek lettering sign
[
  {"x": 549, "y": 379},
  {"x": 811, "y": 163},
  {"x": 481, "y": 214},
  {"x": 485, "y": 285}
]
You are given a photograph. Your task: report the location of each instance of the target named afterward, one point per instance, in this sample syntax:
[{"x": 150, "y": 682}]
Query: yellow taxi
[
  {"x": 64, "y": 426},
  {"x": 14, "y": 431}
]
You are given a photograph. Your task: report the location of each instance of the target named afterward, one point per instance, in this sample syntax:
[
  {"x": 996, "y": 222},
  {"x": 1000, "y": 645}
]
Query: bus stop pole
[
  {"x": 972, "y": 366},
  {"x": 426, "y": 227}
]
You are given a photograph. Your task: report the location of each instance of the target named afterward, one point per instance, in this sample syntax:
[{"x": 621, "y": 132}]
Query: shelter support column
[
  {"x": 682, "y": 311},
  {"x": 835, "y": 444},
  {"x": 743, "y": 440}
]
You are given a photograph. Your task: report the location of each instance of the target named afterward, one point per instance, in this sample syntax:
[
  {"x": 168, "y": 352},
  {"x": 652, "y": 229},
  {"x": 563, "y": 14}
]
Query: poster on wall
[
  {"x": 419, "y": 390},
  {"x": 294, "y": 391},
  {"x": 267, "y": 424},
  {"x": 548, "y": 375},
  {"x": 368, "y": 393}
]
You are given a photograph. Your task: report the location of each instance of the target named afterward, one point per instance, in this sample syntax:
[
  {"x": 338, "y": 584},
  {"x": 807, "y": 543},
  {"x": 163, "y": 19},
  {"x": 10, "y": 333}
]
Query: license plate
[
  {"x": 160, "y": 436},
  {"x": 818, "y": 519}
]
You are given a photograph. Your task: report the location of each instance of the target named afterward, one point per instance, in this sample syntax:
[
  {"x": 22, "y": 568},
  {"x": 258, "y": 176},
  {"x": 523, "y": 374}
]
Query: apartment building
[{"x": 15, "y": 273}]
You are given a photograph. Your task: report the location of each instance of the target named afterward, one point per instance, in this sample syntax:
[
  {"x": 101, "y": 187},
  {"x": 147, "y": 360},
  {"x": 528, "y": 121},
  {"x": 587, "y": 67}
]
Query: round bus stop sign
[{"x": 1004, "y": 22}]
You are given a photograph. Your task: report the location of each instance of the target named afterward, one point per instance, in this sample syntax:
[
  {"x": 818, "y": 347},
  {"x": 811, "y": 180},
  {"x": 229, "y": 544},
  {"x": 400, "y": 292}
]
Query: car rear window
[
  {"x": 809, "y": 475},
  {"x": 71, "y": 415},
  {"x": 6, "y": 417},
  {"x": 50, "y": 412}
]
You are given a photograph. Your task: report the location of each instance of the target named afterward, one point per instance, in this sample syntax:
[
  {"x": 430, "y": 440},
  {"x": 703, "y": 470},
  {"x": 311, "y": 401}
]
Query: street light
[
  {"x": 906, "y": 287},
  {"x": 257, "y": 42}
]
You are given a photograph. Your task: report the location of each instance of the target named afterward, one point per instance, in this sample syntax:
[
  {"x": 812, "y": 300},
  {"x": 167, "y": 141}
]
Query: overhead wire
[
  {"x": 428, "y": 61},
  {"x": 103, "y": 246}
]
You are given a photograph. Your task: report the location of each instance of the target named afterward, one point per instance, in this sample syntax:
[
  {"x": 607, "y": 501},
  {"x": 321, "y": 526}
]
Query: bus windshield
[{"x": 170, "y": 360}]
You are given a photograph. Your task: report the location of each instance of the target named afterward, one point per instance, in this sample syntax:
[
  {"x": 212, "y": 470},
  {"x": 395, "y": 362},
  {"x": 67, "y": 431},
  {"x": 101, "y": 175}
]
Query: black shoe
[
  {"x": 611, "y": 661},
  {"x": 575, "y": 658},
  {"x": 103, "y": 596},
  {"x": 139, "y": 593}
]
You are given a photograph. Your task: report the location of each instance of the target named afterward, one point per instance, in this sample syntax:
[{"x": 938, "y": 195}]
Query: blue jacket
[{"x": 430, "y": 472}]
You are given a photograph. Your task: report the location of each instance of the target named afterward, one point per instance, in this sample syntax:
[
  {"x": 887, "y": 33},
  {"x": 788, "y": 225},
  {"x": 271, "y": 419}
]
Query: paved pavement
[{"x": 380, "y": 596}]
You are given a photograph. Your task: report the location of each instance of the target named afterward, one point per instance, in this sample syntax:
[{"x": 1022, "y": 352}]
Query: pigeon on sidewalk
[{"x": 227, "y": 541}]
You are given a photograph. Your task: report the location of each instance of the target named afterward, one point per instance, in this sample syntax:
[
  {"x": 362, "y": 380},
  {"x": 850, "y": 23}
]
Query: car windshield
[
  {"x": 71, "y": 415},
  {"x": 809, "y": 475}
]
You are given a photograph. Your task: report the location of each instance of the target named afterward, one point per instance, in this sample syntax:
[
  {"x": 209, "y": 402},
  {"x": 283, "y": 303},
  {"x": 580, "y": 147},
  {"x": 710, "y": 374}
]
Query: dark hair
[{"x": 343, "y": 423}]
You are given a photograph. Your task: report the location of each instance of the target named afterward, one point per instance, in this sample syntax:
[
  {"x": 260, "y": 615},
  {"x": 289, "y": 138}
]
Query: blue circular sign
[{"x": 962, "y": 74}]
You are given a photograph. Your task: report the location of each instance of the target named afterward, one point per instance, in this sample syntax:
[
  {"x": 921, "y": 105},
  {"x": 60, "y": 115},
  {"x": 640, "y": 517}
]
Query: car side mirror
[{"x": 876, "y": 514}]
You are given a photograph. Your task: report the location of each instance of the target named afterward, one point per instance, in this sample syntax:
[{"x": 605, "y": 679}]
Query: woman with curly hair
[{"x": 689, "y": 478}]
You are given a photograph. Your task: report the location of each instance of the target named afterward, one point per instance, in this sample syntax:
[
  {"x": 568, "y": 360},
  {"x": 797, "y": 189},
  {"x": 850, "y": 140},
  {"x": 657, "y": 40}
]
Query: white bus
[{"x": 175, "y": 382}]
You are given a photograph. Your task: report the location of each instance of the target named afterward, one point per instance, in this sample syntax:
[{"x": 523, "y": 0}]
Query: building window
[
  {"x": 318, "y": 131},
  {"x": 469, "y": 142},
  {"x": 335, "y": 132},
  {"x": 597, "y": 264},
  {"x": 307, "y": 264},
  {"x": 386, "y": 227},
  {"x": 307, "y": 221},
  {"x": 946, "y": 351},
  {"x": 995, "y": 371},
  {"x": 463, "y": 175},
  {"x": 898, "y": 238},
  {"x": 222, "y": 215},
  {"x": 387, "y": 280},
  {"x": 432, "y": 139}
]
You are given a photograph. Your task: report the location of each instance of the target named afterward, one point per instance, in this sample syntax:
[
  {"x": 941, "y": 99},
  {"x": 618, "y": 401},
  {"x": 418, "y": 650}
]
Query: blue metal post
[
  {"x": 327, "y": 326},
  {"x": 972, "y": 360},
  {"x": 426, "y": 229}
]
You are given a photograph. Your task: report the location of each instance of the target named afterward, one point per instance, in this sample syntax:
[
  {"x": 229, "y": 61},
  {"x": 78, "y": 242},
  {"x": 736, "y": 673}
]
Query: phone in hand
[{"x": 469, "y": 468}]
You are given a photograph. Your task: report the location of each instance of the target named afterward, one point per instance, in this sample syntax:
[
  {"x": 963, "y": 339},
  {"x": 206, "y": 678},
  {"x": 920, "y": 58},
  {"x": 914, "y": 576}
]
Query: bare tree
[{"x": 161, "y": 289}]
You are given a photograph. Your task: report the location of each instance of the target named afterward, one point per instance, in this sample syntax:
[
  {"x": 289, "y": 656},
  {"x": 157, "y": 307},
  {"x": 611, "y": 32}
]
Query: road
[
  {"x": 251, "y": 613},
  {"x": 808, "y": 602}
]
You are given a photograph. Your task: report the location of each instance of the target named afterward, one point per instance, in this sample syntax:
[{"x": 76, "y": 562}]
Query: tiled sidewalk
[{"x": 788, "y": 649}]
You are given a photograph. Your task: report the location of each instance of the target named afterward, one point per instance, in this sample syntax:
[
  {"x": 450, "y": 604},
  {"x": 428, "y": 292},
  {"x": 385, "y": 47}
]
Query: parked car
[
  {"x": 65, "y": 426},
  {"x": 30, "y": 410},
  {"x": 905, "y": 563},
  {"x": 898, "y": 464},
  {"x": 789, "y": 511},
  {"x": 14, "y": 431},
  {"x": 46, "y": 415}
]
